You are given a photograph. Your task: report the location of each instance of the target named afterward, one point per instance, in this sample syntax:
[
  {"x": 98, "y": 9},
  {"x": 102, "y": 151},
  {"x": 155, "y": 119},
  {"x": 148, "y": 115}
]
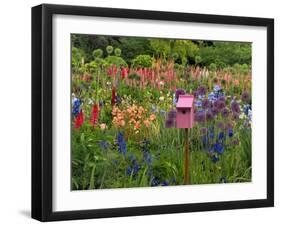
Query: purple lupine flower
[
  {"x": 235, "y": 116},
  {"x": 172, "y": 114},
  {"x": 201, "y": 90},
  {"x": 245, "y": 96},
  {"x": 215, "y": 110},
  {"x": 235, "y": 107},
  {"x": 169, "y": 123},
  {"x": 205, "y": 103},
  {"x": 178, "y": 93},
  {"x": 200, "y": 116},
  {"x": 209, "y": 115},
  {"x": 220, "y": 105},
  {"x": 221, "y": 98},
  {"x": 195, "y": 93}
]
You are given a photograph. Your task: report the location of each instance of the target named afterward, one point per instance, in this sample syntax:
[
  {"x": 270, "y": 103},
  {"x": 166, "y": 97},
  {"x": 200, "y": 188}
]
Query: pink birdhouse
[{"x": 185, "y": 111}]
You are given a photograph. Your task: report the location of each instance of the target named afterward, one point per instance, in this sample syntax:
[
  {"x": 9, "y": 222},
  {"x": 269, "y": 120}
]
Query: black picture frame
[{"x": 42, "y": 111}]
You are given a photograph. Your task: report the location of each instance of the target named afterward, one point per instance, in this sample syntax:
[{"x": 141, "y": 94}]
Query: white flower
[{"x": 161, "y": 98}]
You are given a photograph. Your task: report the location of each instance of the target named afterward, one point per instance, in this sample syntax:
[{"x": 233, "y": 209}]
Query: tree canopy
[{"x": 127, "y": 49}]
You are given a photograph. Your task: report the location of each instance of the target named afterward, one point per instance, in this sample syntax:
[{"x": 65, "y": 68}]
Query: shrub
[
  {"x": 142, "y": 61},
  {"x": 213, "y": 67}
]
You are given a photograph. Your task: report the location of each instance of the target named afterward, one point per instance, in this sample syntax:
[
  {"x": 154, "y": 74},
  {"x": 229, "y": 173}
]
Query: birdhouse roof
[{"x": 185, "y": 101}]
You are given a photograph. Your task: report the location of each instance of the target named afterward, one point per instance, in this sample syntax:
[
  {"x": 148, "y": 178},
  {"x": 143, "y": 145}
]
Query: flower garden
[{"x": 124, "y": 113}]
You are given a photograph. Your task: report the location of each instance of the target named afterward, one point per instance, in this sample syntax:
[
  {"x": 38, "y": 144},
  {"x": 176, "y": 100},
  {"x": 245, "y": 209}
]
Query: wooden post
[{"x": 186, "y": 158}]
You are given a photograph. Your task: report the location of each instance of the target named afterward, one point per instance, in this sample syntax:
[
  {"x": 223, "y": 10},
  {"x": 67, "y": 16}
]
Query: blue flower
[
  {"x": 217, "y": 88},
  {"x": 221, "y": 135},
  {"x": 136, "y": 167},
  {"x": 155, "y": 181},
  {"x": 154, "y": 109},
  {"x": 250, "y": 114},
  {"x": 129, "y": 170},
  {"x": 230, "y": 132},
  {"x": 122, "y": 145},
  {"x": 76, "y": 106},
  {"x": 165, "y": 183},
  {"x": 198, "y": 103},
  {"x": 218, "y": 148},
  {"x": 101, "y": 103},
  {"x": 246, "y": 108},
  {"x": 104, "y": 144},
  {"x": 162, "y": 112},
  {"x": 215, "y": 159},
  {"x": 117, "y": 99},
  {"x": 147, "y": 157}
]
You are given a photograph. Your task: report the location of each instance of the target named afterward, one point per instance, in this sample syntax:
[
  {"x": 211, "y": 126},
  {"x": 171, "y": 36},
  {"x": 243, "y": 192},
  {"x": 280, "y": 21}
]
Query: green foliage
[
  {"x": 198, "y": 59},
  {"x": 142, "y": 61},
  {"x": 226, "y": 53},
  {"x": 174, "y": 48},
  {"x": 77, "y": 59},
  {"x": 244, "y": 68}
]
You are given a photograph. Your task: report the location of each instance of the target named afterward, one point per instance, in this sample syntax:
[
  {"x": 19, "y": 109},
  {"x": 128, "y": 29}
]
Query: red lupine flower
[
  {"x": 109, "y": 71},
  {"x": 95, "y": 114},
  {"x": 115, "y": 69},
  {"x": 79, "y": 120},
  {"x": 113, "y": 97}
]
